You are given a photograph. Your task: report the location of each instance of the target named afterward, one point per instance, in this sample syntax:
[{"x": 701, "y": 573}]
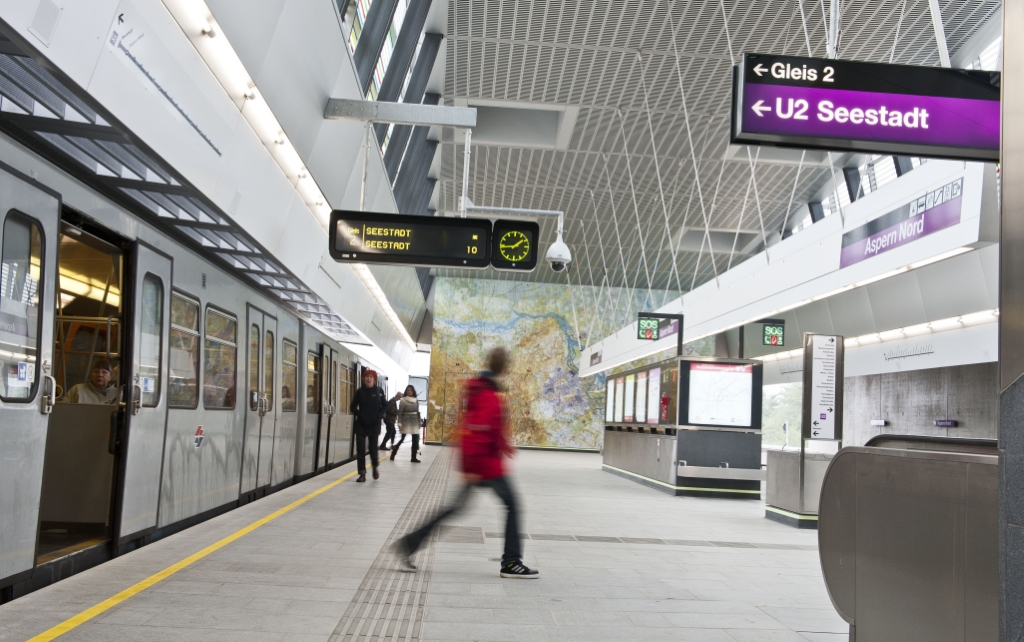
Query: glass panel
[
  {"x": 268, "y": 369},
  {"x": 254, "y": 367},
  {"x": 290, "y": 352},
  {"x": 184, "y": 313},
  {"x": 20, "y": 264},
  {"x": 151, "y": 348},
  {"x": 289, "y": 375},
  {"x": 183, "y": 391},
  {"x": 312, "y": 384},
  {"x": 219, "y": 361},
  {"x": 220, "y": 326},
  {"x": 334, "y": 383}
]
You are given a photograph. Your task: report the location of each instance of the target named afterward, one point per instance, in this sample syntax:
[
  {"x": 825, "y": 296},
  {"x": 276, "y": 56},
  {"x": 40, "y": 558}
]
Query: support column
[{"x": 1011, "y": 331}]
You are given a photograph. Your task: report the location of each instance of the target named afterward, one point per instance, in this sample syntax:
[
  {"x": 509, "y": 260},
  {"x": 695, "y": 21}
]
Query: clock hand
[{"x": 517, "y": 244}]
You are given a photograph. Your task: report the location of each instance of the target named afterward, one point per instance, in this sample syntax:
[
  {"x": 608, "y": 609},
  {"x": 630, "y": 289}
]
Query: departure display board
[
  {"x": 830, "y": 104},
  {"x": 515, "y": 245},
  {"x": 367, "y": 237}
]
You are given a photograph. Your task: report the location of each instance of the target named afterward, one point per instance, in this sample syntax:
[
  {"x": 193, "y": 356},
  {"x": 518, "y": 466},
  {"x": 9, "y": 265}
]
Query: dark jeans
[
  {"x": 415, "y": 443},
  {"x": 361, "y": 441},
  {"x": 513, "y": 547},
  {"x": 389, "y": 434}
]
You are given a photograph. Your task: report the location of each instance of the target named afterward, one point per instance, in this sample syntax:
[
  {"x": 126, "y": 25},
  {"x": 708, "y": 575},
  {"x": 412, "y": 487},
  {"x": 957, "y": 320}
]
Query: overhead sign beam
[
  {"x": 399, "y": 113},
  {"x": 813, "y": 103}
]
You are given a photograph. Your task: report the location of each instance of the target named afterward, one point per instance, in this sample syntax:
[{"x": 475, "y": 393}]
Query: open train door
[
  {"x": 28, "y": 265},
  {"x": 144, "y": 417}
]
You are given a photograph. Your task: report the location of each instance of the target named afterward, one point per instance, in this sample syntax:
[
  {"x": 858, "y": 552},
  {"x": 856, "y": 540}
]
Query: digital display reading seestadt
[
  {"x": 829, "y": 104},
  {"x": 366, "y": 237}
]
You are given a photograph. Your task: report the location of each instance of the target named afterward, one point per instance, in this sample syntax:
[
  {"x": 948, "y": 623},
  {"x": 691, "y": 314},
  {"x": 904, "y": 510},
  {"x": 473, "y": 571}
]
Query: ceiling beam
[{"x": 400, "y": 113}]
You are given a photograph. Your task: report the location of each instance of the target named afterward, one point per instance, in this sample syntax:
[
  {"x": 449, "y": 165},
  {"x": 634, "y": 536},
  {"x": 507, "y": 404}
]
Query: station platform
[{"x": 617, "y": 561}]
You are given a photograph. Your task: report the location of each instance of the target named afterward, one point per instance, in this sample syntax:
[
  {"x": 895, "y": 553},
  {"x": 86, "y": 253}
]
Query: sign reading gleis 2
[{"x": 841, "y": 105}]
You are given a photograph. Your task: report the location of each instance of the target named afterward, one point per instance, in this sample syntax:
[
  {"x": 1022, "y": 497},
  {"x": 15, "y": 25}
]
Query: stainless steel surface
[
  {"x": 908, "y": 543},
  {"x": 652, "y": 456},
  {"x": 260, "y": 417},
  {"x": 143, "y": 449},
  {"x": 1011, "y": 193},
  {"x": 282, "y": 461},
  {"x": 708, "y": 472},
  {"x": 23, "y": 426},
  {"x": 400, "y": 113}
]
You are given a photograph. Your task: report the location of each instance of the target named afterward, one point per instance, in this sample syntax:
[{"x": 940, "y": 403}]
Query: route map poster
[{"x": 721, "y": 394}]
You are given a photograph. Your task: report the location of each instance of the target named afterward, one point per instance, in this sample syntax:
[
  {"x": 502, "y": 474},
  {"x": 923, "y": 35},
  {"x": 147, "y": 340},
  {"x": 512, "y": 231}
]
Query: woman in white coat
[{"x": 409, "y": 422}]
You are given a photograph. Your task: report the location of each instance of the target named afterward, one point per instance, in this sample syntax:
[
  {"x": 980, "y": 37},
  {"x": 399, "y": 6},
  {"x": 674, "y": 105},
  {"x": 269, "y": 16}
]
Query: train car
[{"x": 215, "y": 394}]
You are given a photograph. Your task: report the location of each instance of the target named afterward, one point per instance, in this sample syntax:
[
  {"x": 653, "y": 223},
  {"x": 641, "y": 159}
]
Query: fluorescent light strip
[
  {"x": 197, "y": 21},
  {"x": 907, "y": 332},
  {"x": 874, "y": 279}
]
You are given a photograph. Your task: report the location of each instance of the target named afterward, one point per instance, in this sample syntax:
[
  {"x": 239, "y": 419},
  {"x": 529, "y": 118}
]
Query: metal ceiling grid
[
  {"x": 617, "y": 62},
  {"x": 34, "y": 105}
]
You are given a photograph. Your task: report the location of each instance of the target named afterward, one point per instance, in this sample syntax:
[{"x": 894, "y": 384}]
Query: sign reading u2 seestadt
[
  {"x": 829, "y": 104},
  {"x": 368, "y": 237}
]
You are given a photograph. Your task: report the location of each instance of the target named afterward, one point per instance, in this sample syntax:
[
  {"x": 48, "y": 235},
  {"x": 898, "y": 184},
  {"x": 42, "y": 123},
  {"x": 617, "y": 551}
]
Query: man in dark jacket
[
  {"x": 368, "y": 406},
  {"x": 484, "y": 445}
]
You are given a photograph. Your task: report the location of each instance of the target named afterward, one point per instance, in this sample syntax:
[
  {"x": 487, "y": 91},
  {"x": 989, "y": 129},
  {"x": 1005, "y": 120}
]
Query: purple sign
[
  {"x": 814, "y": 103},
  {"x": 667, "y": 328},
  {"x": 945, "y": 423},
  {"x": 869, "y": 116},
  {"x": 934, "y": 211}
]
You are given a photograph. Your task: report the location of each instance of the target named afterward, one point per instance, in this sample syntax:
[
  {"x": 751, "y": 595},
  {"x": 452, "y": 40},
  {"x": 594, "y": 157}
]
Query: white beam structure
[{"x": 399, "y": 113}]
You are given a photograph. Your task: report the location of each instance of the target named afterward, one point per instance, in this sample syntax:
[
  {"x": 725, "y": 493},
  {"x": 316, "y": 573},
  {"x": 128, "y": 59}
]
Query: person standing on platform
[
  {"x": 484, "y": 444},
  {"x": 368, "y": 407},
  {"x": 409, "y": 422},
  {"x": 390, "y": 417}
]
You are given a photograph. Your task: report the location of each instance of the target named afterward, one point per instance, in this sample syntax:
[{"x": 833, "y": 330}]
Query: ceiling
[{"x": 637, "y": 196}]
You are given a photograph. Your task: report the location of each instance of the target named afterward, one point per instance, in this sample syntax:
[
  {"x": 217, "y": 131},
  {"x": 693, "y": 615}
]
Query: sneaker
[
  {"x": 517, "y": 569},
  {"x": 401, "y": 549}
]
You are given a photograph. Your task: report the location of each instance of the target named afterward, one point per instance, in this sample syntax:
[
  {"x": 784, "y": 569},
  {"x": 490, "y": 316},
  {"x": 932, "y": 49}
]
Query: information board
[
  {"x": 641, "y": 398},
  {"x": 653, "y": 394},
  {"x": 609, "y": 401},
  {"x": 867, "y": 107},
  {"x": 627, "y": 413},
  {"x": 823, "y": 380},
  {"x": 720, "y": 394},
  {"x": 620, "y": 393},
  {"x": 367, "y": 237}
]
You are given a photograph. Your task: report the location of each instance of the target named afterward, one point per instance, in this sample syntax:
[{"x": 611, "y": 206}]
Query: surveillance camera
[{"x": 559, "y": 255}]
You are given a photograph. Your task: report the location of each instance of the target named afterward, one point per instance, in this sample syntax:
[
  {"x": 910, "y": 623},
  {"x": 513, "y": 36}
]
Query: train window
[
  {"x": 219, "y": 350},
  {"x": 254, "y": 367},
  {"x": 183, "y": 388},
  {"x": 151, "y": 348},
  {"x": 20, "y": 264},
  {"x": 268, "y": 370},
  {"x": 289, "y": 375},
  {"x": 312, "y": 383}
]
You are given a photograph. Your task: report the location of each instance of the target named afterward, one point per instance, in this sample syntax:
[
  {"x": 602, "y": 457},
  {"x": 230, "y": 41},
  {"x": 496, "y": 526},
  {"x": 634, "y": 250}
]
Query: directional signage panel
[
  {"x": 823, "y": 386},
  {"x": 368, "y": 237},
  {"x": 868, "y": 107}
]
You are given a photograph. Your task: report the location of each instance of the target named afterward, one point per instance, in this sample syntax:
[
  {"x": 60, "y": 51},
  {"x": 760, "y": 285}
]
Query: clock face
[{"x": 514, "y": 246}]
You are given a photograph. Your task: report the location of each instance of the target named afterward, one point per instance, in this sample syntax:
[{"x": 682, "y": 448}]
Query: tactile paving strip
[{"x": 389, "y": 604}]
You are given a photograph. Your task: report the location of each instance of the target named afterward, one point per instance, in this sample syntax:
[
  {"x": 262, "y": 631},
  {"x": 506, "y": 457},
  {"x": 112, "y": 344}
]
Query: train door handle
[
  {"x": 136, "y": 401},
  {"x": 49, "y": 398},
  {"x": 263, "y": 405}
]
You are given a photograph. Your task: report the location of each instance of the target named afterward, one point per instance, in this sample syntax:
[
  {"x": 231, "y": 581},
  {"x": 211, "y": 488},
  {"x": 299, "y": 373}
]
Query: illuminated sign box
[
  {"x": 648, "y": 329},
  {"x": 774, "y": 334},
  {"x": 813, "y": 103},
  {"x": 368, "y": 237}
]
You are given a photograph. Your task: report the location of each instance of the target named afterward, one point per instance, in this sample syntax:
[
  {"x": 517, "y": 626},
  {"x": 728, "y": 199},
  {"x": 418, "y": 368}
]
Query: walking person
[
  {"x": 390, "y": 417},
  {"x": 409, "y": 422},
  {"x": 368, "y": 407},
  {"x": 483, "y": 445}
]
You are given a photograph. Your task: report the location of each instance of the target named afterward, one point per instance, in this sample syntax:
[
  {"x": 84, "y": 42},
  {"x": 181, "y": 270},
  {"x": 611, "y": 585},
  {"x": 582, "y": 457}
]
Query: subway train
[{"x": 218, "y": 393}]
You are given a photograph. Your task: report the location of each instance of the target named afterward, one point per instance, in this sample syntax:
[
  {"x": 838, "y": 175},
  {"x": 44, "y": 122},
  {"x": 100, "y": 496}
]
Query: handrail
[{"x": 935, "y": 442}]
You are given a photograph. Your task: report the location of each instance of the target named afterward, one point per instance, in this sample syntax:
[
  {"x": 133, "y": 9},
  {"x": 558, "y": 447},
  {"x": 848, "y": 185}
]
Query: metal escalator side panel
[
  {"x": 981, "y": 583},
  {"x": 837, "y": 533}
]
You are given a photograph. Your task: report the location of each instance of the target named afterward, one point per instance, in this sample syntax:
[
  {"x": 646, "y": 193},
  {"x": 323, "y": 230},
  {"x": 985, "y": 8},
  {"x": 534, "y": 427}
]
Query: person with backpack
[
  {"x": 368, "y": 407},
  {"x": 484, "y": 445},
  {"x": 390, "y": 417}
]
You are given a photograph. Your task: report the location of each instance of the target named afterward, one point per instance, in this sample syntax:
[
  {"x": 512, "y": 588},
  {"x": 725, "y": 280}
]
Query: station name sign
[
  {"x": 426, "y": 241},
  {"x": 814, "y": 103}
]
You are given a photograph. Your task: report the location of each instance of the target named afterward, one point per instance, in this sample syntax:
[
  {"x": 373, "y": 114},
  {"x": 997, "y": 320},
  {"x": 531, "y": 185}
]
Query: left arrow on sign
[
  {"x": 760, "y": 69},
  {"x": 759, "y": 108}
]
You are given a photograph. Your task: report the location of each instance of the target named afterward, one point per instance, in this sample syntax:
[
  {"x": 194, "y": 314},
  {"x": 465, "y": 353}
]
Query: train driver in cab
[{"x": 99, "y": 389}]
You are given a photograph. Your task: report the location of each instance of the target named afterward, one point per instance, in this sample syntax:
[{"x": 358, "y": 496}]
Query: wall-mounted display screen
[
  {"x": 720, "y": 394},
  {"x": 627, "y": 413},
  {"x": 641, "y": 398},
  {"x": 609, "y": 401},
  {"x": 620, "y": 394},
  {"x": 367, "y": 237},
  {"x": 653, "y": 395}
]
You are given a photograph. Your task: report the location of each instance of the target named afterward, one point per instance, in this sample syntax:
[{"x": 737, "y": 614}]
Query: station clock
[{"x": 514, "y": 245}]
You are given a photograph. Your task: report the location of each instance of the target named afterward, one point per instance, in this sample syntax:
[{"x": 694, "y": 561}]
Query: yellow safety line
[{"x": 108, "y": 603}]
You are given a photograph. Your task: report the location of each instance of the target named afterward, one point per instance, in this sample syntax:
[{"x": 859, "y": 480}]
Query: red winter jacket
[{"x": 483, "y": 436}]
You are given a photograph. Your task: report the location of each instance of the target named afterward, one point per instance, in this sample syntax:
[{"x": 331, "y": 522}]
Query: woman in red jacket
[{"x": 484, "y": 444}]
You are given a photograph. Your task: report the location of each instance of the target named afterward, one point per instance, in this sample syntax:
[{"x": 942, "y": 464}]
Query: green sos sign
[
  {"x": 774, "y": 334},
  {"x": 647, "y": 329}
]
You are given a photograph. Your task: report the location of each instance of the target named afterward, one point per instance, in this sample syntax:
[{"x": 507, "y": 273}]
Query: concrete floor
[{"x": 294, "y": 578}]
